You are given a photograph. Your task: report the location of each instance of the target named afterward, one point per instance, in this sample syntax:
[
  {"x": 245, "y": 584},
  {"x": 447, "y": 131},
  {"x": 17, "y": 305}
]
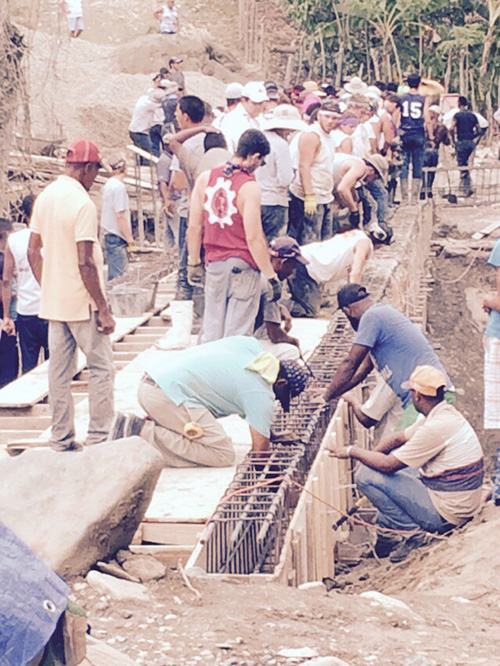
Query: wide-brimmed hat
[
  {"x": 380, "y": 164},
  {"x": 312, "y": 87},
  {"x": 356, "y": 86},
  {"x": 284, "y": 116}
]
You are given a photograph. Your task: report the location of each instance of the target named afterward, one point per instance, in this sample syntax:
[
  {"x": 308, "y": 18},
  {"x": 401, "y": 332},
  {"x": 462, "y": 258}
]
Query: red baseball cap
[{"x": 83, "y": 151}]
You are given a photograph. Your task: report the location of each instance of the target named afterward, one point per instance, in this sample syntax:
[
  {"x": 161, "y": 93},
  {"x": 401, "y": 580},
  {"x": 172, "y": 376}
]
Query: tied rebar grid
[{"x": 247, "y": 531}]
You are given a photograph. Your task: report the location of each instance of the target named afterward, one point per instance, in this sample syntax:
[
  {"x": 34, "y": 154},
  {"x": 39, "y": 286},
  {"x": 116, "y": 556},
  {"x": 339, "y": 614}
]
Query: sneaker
[
  {"x": 407, "y": 546},
  {"x": 61, "y": 448},
  {"x": 117, "y": 429}
]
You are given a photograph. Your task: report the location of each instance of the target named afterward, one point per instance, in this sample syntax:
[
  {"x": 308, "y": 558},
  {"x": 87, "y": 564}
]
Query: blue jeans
[
  {"x": 9, "y": 358},
  {"x": 309, "y": 229},
  {"x": 378, "y": 191},
  {"x": 464, "y": 150},
  {"x": 402, "y": 500},
  {"x": 431, "y": 159},
  {"x": 274, "y": 221},
  {"x": 117, "y": 255},
  {"x": 413, "y": 148},
  {"x": 33, "y": 335},
  {"x": 305, "y": 293},
  {"x": 142, "y": 140}
]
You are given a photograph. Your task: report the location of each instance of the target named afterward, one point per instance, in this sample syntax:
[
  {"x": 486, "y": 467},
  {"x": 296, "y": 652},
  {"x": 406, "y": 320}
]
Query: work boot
[
  {"x": 416, "y": 186},
  {"x": 179, "y": 336},
  {"x": 404, "y": 191},
  {"x": 385, "y": 545},
  {"x": 407, "y": 546}
]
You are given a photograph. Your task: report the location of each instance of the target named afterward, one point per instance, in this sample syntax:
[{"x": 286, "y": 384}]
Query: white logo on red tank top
[{"x": 220, "y": 203}]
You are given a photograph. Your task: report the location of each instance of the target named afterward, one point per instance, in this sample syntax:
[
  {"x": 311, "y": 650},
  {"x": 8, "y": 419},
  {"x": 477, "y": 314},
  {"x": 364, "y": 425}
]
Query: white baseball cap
[
  {"x": 233, "y": 91},
  {"x": 255, "y": 91}
]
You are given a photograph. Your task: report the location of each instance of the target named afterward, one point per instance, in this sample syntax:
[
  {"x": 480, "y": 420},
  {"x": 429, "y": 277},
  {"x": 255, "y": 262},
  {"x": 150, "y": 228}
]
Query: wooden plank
[
  {"x": 171, "y": 534},
  {"x": 169, "y": 555},
  {"x": 486, "y": 231},
  {"x": 34, "y": 385}
]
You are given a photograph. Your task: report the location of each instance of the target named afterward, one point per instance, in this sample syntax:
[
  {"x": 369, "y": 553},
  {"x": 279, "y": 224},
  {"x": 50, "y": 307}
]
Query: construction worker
[
  {"x": 384, "y": 338},
  {"x": 224, "y": 219},
  {"x": 184, "y": 396},
  {"x": 444, "y": 448},
  {"x": 274, "y": 322},
  {"x": 311, "y": 190}
]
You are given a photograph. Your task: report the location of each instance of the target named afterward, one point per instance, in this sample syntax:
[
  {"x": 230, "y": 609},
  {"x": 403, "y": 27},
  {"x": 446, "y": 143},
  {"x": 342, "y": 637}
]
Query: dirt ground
[{"x": 455, "y": 318}]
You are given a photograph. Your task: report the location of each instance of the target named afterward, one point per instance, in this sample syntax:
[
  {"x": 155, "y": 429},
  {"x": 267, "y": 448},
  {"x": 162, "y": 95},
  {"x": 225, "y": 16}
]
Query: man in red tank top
[{"x": 225, "y": 220}]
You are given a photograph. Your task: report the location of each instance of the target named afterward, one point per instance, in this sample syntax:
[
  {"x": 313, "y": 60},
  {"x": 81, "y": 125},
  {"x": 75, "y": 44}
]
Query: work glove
[
  {"x": 354, "y": 218},
  {"x": 195, "y": 274},
  {"x": 310, "y": 205},
  {"x": 275, "y": 286}
]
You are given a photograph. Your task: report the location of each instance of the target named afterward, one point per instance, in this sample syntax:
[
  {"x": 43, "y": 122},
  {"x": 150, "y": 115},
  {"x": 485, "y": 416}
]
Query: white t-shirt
[
  {"x": 276, "y": 175},
  {"x": 74, "y": 8},
  {"x": 114, "y": 200},
  {"x": 28, "y": 289},
  {"x": 234, "y": 124},
  {"x": 331, "y": 259},
  {"x": 361, "y": 140},
  {"x": 169, "y": 20},
  {"x": 144, "y": 114}
]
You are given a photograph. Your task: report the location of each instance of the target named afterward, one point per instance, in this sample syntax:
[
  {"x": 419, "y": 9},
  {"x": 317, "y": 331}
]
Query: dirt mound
[{"x": 78, "y": 88}]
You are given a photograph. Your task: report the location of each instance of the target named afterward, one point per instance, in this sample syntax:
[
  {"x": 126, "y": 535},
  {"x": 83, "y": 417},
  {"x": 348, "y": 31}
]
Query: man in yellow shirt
[{"x": 65, "y": 225}]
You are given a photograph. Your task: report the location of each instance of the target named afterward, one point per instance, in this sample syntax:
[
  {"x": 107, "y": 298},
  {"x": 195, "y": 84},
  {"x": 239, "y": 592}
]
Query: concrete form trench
[{"x": 292, "y": 540}]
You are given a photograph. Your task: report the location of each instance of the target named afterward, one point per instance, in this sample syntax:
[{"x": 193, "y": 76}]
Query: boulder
[
  {"x": 116, "y": 588},
  {"x": 144, "y": 567},
  {"x": 76, "y": 508}
]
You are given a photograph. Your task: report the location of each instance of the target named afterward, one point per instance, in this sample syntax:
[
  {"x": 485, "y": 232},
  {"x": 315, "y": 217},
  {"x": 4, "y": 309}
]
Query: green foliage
[{"x": 387, "y": 37}]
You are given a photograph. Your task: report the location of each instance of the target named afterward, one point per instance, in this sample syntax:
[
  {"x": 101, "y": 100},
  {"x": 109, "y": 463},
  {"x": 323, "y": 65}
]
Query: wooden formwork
[{"x": 309, "y": 550}]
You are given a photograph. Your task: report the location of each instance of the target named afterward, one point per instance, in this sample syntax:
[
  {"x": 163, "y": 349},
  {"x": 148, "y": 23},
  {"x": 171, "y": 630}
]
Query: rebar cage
[{"x": 246, "y": 533}]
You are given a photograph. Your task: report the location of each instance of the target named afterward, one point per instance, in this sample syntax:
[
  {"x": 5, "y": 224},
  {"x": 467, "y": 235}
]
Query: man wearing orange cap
[
  {"x": 444, "y": 449},
  {"x": 65, "y": 225}
]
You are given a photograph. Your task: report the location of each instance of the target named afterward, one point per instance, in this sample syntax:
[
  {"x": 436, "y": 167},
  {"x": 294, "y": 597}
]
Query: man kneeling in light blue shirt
[{"x": 185, "y": 396}]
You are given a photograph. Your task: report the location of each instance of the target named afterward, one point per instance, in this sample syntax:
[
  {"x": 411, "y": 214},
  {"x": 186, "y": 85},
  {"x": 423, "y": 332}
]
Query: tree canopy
[{"x": 453, "y": 41}]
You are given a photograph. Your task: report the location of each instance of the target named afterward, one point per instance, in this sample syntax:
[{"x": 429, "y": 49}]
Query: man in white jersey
[{"x": 33, "y": 332}]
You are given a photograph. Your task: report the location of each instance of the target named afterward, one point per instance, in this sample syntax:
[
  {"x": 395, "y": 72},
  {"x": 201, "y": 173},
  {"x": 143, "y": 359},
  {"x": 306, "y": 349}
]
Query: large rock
[
  {"x": 116, "y": 588},
  {"x": 76, "y": 508}
]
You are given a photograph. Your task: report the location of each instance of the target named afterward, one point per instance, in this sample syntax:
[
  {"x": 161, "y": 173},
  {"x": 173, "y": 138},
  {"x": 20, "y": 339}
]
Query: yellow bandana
[{"x": 266, "y": 365}]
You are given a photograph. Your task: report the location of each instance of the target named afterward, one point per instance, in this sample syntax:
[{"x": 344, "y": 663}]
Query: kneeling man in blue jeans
[{"x": 427, "y": 478}]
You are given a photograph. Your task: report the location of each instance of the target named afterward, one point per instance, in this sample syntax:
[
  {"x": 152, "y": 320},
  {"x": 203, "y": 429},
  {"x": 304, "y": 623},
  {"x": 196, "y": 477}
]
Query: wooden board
[
  {"x": 486, "y": 231},
  {"x": 33, "y": 387}
]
